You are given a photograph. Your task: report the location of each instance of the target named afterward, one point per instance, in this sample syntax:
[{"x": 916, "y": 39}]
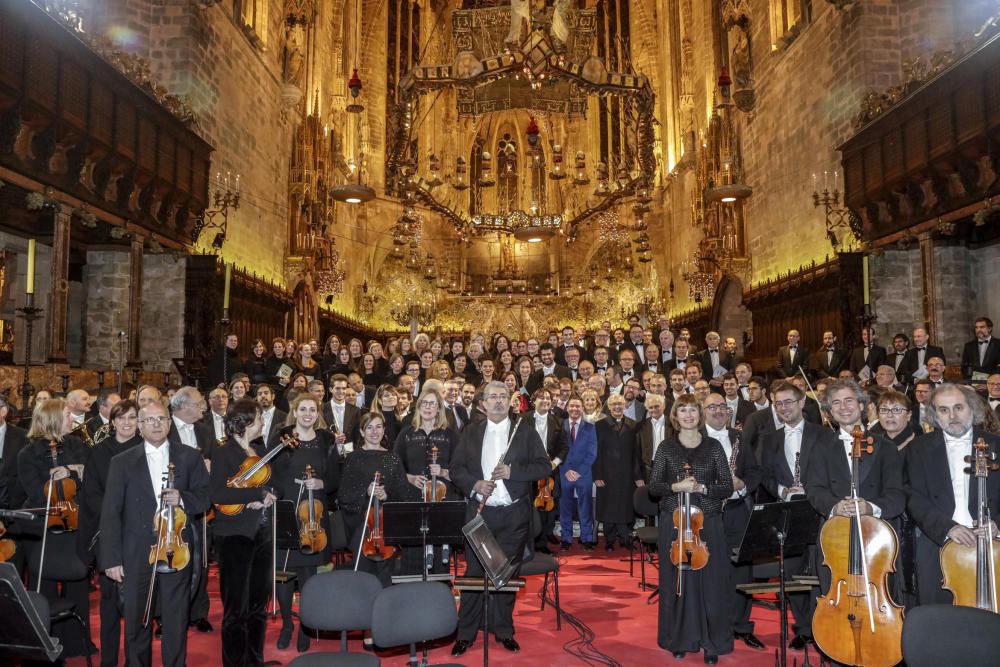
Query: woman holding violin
[
  {"x": 358, "y": 487},
  {"x": 425, "y": 448},
  {"x": 308, "y": 471},
  {"x": 243, "y": 540},
  {"x": 691, "y": 478},
  {"x": 50, "y": 470}
]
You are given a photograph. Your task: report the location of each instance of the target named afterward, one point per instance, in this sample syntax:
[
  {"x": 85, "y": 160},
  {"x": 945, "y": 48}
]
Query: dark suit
[
  {"x": 743, "y": 411},
  {"x": 510, "y": 524},
  {"x": 368, "y": 399},
  {"x": 788, "y": 365},
  {"x": 970, "y": 358},
  {"x": 557, "y": 447},
  {"x": 352, "y": 419},
  {"x": 581, "y": 457},
  {"x": 876, "y": 358},
  {"x": 932, "y": 503},
  {"x": 561, "y": 354},
  {"x": 756, "y": 427},
  {"x": 11, "y": 493},
  {"x": 126, "y": 535},
  {"x": 727, "y": 360},
  {"x": 910, "y": 363},
  {"x": 277, "y": 423},
  {"x": 830, "y": 368},
  {"x": 644, "y": 443},
  {"x": 459, "y": 413},
  {"x": 681, "y": 364},
  {"x": 536, "y": 379}
]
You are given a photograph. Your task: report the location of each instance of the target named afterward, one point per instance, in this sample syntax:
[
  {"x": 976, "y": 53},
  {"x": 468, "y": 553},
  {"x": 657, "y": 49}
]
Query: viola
[
  {"x": 544, "y": 500},
  {"x": 856, "y": 622},
  {"x": 255, "y": 472},
  {"x": 687, "y": 551},
  {"x": 312, "y": 537},
  {"x": 970, "y": 573},
  {"x": 434, "y": 489},
  {"x": 170, "y": 553},
  {"x": 373, "y": 545},
  {"x": 61, "y": 496}
]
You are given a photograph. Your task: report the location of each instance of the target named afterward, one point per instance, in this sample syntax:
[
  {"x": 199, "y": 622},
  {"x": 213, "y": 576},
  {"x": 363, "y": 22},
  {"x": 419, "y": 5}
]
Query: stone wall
[
  {"x": 162, "y": 312},
  {"x": 106, "y": 280},
  {"x": 896, "y": 292}
]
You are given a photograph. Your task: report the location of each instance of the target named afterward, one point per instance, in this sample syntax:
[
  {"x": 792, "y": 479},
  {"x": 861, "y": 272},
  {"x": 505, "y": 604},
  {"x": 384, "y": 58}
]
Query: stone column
[
  {"x": 135, "y": 301},
  {"x": 105, "y": 277},
  {"x": 927, "y": 272},
  {"x": 60, "y": 284}
]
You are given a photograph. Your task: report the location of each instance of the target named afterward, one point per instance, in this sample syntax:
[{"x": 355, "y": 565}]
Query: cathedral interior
[{"x": 368, "y": 168}]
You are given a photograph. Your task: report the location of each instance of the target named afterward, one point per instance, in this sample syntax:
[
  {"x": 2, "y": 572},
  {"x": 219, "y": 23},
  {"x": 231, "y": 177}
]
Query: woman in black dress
[
  {"x": 243, "y": 540},
  {"x": 257, "y": 364},
  {"x": 699, "y": 619},
  {"x": 386, "y": 400},
  {"x": 315, "y": 449},
  {"x": 357, "y": 486},
  {"x": 617, "y": 472},
  {"x": 414, "y": 444}
]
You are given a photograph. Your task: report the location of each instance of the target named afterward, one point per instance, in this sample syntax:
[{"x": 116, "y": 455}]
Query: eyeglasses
[
  {"x": 495, "y": 397},
  {"x": 718, "y": 407},
  {"x": 785, "y": 404},
  {"x": 894, "y": 410},
  {"x": 428, "y": 404},
  {"x": 154, "y": 421}
]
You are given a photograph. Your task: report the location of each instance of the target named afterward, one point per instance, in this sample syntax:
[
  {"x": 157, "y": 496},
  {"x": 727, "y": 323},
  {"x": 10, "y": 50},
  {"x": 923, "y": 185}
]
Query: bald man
[{"x": 78, "y": 401}]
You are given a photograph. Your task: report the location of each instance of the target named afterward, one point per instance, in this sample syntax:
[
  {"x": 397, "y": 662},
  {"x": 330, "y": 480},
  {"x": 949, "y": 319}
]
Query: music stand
[
  {"x": 498, "y": 568},
  {"x": 421, "y": 523},
  {"x": 24, "y": 633},
  {"x": 773, "y": 529}
]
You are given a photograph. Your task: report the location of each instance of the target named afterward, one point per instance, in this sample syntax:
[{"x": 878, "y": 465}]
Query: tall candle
[
  {"x": 30, "y": 285},
  {"x": 225, "y": 295},
  {"x": 864, "y": 279}
]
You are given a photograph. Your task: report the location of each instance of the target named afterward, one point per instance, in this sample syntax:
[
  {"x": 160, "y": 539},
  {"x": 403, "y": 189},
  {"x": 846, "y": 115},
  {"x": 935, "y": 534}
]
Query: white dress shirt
[
  {"x": 848, "y": 440},
  {"x": 338, "y": 415},
  {"x": 220, "y": 427},
  {"x": 157, "y": 460},
  {"x": 494, "y": 447},
  {"x": 793, "y": 448},
  {"x": 957, "y": 449},
  {"x": 659, "y": 432},
  {"x": 186, "y": 431},
  {"x": 267, "y": 416},
  {"x": 723, "y": 438}
]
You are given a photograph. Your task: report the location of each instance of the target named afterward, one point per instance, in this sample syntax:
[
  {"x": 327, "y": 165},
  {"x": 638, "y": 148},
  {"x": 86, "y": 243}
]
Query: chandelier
[
  {"x": 610, "y": 228},
  {"x": 523, "y": 226},
  {"x": 329, "y": 274},
  {"x": 701, "y": 282},
  {"x": 420, "y": 312}
]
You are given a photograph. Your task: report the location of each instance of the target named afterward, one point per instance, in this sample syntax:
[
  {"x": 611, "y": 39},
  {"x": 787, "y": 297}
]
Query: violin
[
  {"x": 687, "y": 551},
  {"x": 312, "y": 537},
  {"x": 970, "y": 573},
  {"x": 856, "y": 622},
  {"x": 61, "y": 495},
  {"x": 7, "y": 546},
  {"x": 544, "y": 500},
  {"x": 373, "y": 545},
  {"x": 170, "y": 553},
  {"x": 434, "y": 489},
  {"x": 255, "y": 472}
]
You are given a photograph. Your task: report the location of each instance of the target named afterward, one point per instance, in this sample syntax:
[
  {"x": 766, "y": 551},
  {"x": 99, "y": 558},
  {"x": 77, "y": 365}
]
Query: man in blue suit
[{"x": 576, "y": 478}]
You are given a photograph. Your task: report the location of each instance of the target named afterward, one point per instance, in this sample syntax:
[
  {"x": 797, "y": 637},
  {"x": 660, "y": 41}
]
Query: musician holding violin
[
  {"x": 50, "y": 470},
  {"x": 136, "y": 495},
  {"x": 692, "y": 479},
  {"x": 310, "y": 470},
  {"x": 546, "y": 492},
  {"x": 425, "y": 447},
  {"x": 944, "y": 494}
]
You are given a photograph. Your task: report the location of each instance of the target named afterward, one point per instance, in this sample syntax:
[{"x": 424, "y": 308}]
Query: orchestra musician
[
  {"x": 700, "y": 618},
  {"x": 135, "y": 489}
]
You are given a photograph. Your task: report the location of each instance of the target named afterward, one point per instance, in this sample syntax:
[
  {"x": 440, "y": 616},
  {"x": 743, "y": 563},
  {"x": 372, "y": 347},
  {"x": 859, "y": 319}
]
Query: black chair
[
  {"x": 61, "y": 566},
  {"x": 646, "y": 536},
  {"x": 543, "y": 564},
  {"x": 939, "y": 634},
  {"x": 338, "y": 601},
  {"x": 409, "y": 613}
]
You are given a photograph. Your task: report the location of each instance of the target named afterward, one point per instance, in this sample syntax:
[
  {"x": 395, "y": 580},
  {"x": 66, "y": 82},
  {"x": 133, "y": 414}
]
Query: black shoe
[
  {"x": 302, "y": 641},
  {"x": 202, "y": 624},
  {"x": 679, "y": 655},
  {"x": 543, "y": 550},
  {"x": 460, "y": 647},
  {"x": 588, "y": 546},
  {"x": 798, "y": 643},
  {"x": 368, "y": 645},
  {"x": 566, "y": 545},
  {"x": 158, "y": 632},
  {"x": 285, "y": 638},
  {"x": 510, "y": 644},
  {"x": 552, "y": 539},
  {"x": 711, "y": 659},
  {"x": 609, "y": 546},
  {"x": 749, "y": 639}
]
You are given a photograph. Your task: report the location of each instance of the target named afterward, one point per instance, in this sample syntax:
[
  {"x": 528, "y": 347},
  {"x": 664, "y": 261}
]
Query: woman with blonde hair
[
  {"x": 591, "y": 406},
  {"x": 439, "y": 370}
]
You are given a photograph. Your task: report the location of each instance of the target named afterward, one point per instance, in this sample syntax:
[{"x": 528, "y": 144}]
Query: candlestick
[
  {"x": 30, "y": 284},
  {"x": 864, "y": 280},
  {"x": 225, "y": 294}
]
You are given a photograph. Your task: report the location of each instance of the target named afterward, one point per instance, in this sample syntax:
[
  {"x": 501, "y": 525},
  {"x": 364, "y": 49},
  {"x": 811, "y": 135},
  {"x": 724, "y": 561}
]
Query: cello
[
  {"x": 857, "y": 622},
  {"x": 687, "y": 551},
  {"x": 312, "y": 537},
  {"x": 434, "y": 489},
  {"x": 970, "y": 573},
  {"x": 373, "y": 544}
]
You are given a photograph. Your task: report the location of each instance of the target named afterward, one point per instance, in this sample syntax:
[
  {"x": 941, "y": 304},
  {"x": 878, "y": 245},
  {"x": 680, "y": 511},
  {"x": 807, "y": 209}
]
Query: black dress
[
  {"x": 904, "y": 580},
  {"x": 699, "y": 619},
  {"x": 618, "y": 466}
]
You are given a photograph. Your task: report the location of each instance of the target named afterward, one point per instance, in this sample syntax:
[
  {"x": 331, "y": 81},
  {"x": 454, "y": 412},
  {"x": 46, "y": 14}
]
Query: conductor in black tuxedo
[
  {"x": 504, "y": 490},
  {"x": 134, "y": 490},
  {"x": 932, "y": 460},
  {"x": 982, "y": 354},
  {"x": 793, "y": 356}
]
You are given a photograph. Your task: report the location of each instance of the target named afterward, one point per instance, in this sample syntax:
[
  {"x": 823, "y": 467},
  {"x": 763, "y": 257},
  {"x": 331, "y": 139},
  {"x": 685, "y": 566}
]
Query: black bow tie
[
  {"x": 984, "y": 342},
  {"x": 921, "y": 349},
  {"x": 830, "y": 349}
]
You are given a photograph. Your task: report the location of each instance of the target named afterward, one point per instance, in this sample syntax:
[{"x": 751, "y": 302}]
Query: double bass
[
  {"x": 687, "y": 551},
  {"x": 373, "y": 544},
  {"x": 312, "y": 537},
  {"x": 970, "y": 573},
  {"x": 856, "y": 622}
]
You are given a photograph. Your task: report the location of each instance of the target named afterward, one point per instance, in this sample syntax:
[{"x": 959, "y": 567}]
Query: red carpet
[{"x": 595, "y": 587}]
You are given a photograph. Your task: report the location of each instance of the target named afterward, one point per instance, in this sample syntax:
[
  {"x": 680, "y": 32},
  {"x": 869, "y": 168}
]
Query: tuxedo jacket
[
  {"x": 672, "y": 364},
  {"x": 556, "y": 441},
  {"x": 830, "y": 369},
  {"x": 970, "y": 358},
  {"x": 726, "y": 359},
  {"x": 756, "y": 427},
  {"x": 582, "y": 451},
  {"x": 775, "y": 469},
  {"x": 931, "y": 498},
  {"x": 463, "y": 415},
  {"x": 129, "y": 505},
  {"x": 204, "y": 435},
  {"x": 644, "y": 442},
  {"x": 880, "y": 477},
  {"x": 876, "y": 357},
  {"x": 536, "y": 379},
  {"x": 273, "y": 434},
  {"x": 11, "y": 493},
  {"x": 744, "y": 409},
  {"x": 747, "y": 467},
  {"x": 352, "y": 419},
  {"x": 526, "y": 457},
  {"x": 561, "y": 353},
  {"x": 908, "y": 366},
  {"x": 789, "y": 365}
]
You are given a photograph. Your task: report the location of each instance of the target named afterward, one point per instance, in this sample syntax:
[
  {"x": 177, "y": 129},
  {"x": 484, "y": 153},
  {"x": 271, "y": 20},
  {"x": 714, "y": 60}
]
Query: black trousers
[
  {"x": 244, "y": 584},
  {"x": 174, "y": 594},
  {"x": 111, "y": 619},
  {"x": 734, "y": 518},
  {"x": 617, "y": 531},
  {"x": 510, "y": 526},
  {"x": 286, "y": 590}
]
